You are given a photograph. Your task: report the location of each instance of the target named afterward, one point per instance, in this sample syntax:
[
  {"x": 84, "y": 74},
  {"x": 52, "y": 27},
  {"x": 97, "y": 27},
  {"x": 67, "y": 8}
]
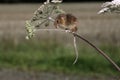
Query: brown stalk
[
  {"x": 75, "y": 48},
  {"x": 99, "y": 50},
  {"x": 96, "y": 48}
]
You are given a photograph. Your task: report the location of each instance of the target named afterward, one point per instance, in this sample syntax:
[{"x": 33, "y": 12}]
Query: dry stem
[
  {"x": 96, "y": 48},
  {"x": 76, "y": 50},
  {"x": 100, "y": 51}
]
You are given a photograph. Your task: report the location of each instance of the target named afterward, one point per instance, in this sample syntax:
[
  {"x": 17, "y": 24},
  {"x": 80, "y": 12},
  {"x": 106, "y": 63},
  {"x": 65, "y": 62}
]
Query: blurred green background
[{"x": 53, "y": 51}]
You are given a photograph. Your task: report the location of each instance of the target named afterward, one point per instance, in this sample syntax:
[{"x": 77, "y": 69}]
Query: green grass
[{"x": 49, "y": 56}]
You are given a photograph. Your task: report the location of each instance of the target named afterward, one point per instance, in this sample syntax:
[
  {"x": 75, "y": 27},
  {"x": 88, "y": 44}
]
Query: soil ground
[{"x": 7, "y": 74}]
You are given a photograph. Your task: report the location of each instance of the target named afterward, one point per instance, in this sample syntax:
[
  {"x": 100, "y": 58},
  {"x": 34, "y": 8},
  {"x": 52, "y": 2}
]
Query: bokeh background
[
  {"x": 50, "y": 54},
  {"x": 36, "y": 1}
]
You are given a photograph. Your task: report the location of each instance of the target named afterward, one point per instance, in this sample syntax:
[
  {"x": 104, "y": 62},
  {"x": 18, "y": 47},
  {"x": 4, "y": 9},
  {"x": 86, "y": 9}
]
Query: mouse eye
[{"x": 57, "y": 21}]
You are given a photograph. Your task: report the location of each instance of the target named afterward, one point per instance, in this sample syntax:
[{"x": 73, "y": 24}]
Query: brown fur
[{"x": 66, "y": 21}]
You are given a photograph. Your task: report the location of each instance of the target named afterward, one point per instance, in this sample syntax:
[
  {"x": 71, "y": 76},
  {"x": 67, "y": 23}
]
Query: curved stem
[
  {"x": 100, "y": 51},
  {"x": 76, "y": 50}
]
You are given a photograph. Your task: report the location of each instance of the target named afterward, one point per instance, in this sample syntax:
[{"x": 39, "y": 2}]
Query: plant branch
[
  {"x": 48, "y": 1},
  {"x": 76, "y": 50},
  {"x": 100, "y": 51}
]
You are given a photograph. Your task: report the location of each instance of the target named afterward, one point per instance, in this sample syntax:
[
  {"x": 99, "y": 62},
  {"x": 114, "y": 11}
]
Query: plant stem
[
  {"x": 100, "y": 51},
  {"x": 48, "y": 1},
  {"x": 76, "y": 50}
]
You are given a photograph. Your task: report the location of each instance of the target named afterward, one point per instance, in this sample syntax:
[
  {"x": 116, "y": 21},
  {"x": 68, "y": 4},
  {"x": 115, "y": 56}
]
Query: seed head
[
  {"x": 113, "y": 6},
  {"x": 56, "y": 1}
]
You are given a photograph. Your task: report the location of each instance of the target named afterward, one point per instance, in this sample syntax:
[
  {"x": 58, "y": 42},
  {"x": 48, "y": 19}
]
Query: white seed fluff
[{"x": 113, "y": 7}]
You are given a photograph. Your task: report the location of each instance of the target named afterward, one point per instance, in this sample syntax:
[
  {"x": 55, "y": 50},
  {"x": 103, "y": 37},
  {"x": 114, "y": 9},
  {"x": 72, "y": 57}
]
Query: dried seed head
[
  {"x": 42, "y": 16},
  {"x": 56, "y": 1},
  {"x": 30, "y": 30},
  {"x": 66, "y": 21},
  {"x": 113, "y": 6}
]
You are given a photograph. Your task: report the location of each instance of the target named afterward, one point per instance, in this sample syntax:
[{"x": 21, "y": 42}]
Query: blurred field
[
  {"x": 53, "y": 51},
  {"x": 97, "y": 28}
]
